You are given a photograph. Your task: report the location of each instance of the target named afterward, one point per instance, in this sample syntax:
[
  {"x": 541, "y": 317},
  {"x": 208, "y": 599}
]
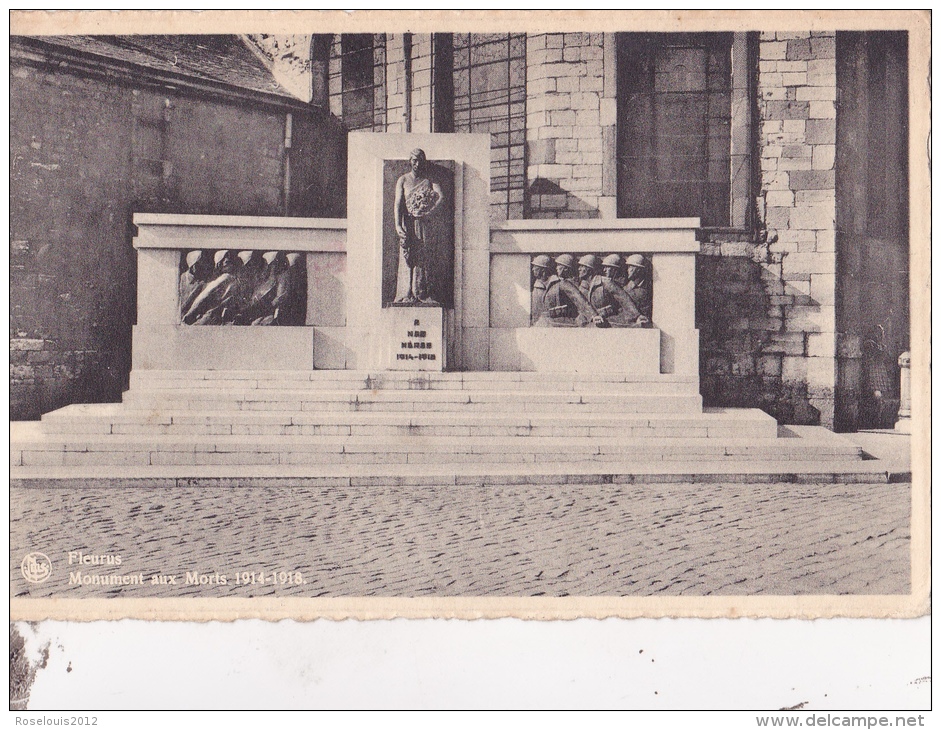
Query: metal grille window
[
  {"x": 490, "y": 96},
  {"x": 362, "y": 59},
  {"x": 674, "y": 125}
]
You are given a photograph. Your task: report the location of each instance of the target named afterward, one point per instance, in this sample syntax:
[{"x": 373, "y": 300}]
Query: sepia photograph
[{"x": 470, "y": 316}]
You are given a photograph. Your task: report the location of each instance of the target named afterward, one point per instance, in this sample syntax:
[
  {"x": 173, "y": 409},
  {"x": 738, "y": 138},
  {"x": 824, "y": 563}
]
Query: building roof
[{"x": 216, "y": 59}]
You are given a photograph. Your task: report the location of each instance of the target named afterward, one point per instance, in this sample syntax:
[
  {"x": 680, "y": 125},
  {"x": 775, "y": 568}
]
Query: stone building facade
[
  {"x": 102, "y": 128},
  {"x": 788, "y": 146}
]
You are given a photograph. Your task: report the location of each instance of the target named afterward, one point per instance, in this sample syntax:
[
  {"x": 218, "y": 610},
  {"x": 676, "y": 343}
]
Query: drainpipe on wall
[
  {"x": 288, "y": 131},
  {"x": 407, "y": 51}
]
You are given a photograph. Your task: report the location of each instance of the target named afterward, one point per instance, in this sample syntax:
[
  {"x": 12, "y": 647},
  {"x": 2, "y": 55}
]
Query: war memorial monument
[{"x": 416, "y": 342}]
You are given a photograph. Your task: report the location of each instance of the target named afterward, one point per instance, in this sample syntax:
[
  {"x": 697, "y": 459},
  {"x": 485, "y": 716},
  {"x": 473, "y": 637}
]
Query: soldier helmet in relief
[
  {"x": 590, "y": 261},
  {"x": 542, "y": 261},
  {"x": 192, "y": 257},
  {"x": 565, "y": 259},
  {"x": 635, "y": 259},
  {"x": 612, "y": 260},
  {"x": 221, "y": 256}
]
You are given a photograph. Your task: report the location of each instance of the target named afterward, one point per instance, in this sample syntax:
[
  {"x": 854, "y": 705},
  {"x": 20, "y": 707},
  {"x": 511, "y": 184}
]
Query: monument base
[
  {"x": 413, "y": 339},
  {"x": 384, "y": 427}
]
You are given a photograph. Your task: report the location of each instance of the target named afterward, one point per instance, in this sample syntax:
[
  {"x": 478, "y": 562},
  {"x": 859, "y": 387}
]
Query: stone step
[
  {"x": 39, "y": 449},
  {"x": 410, "y": 400},
  {"x": 116, "y": 419},
  {"x": 417, "y": 384},
  {"x": 439, "y": 475},
  {"x": 367, "y": 380}
]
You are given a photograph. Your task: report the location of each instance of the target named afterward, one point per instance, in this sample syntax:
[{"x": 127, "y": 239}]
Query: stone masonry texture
[
  {"x": 766, "y": 292},
  {"x": 86, "y": 154},
  {"x": 765, "y": 302},
  {"x": 564, "y": 131},
  {"x": 767, "y": 306}
]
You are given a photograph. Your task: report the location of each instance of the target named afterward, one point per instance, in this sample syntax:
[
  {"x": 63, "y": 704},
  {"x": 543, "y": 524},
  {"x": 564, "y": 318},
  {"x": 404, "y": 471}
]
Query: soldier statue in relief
[{"x": 417, "y": 197}]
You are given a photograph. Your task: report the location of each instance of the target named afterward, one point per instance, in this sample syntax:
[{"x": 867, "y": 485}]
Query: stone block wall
[
  {"x": 71, "y": 276},
  {"x": 402, "y": 101},
  {"x": 335, "y": 77},
  {"x": 395, "y": 83},
  {"x": 86, "y": 153},
  {"x": 798, "y": 144},
  {"x": 766, "y": 298},
  {"x": 571, "y": 113},
  {"x": 768, "y": 305},
  {"x": 422, "y": 102}
]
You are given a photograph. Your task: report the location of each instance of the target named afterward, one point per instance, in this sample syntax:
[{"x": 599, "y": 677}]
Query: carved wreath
[{"x": 421, "y": 200}]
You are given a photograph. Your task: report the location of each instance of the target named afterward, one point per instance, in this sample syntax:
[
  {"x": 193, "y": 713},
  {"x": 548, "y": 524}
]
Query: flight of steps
[{"x": 325, "y": 423}]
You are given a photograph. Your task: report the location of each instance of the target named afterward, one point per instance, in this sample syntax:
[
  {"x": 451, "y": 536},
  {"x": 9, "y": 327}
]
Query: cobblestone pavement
[{"x": 627, "y": 540}]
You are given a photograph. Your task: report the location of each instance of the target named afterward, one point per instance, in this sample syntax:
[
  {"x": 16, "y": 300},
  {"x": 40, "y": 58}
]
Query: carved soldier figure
[
  {"x": 588, "y": 268},
  {"x": 263, "y": 305},
  {"x": 417, "y": 197},
  {"x": 638, "y": 283},
  {"x": 556, "y": 300},
  {"x": 192, "y": 280},
  {"x": 565, "y": 266},
  {"x": 610, "y": 300},
  {"x": 541, "y": 267},
  {"x": 250, "y": 271},
  {"x": 613, "y": 268},
  {"x": 217, "y": 303}
]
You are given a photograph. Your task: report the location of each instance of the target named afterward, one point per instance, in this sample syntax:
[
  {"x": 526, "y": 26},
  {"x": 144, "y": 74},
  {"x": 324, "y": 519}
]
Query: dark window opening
[
  {"x": 357, "y": 58},
  {"x": 675, "y": 126}
]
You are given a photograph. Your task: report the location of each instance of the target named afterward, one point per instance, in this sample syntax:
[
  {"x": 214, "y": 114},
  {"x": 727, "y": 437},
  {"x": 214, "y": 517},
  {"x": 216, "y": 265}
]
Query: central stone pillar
[{"x": 418, "y": 270}]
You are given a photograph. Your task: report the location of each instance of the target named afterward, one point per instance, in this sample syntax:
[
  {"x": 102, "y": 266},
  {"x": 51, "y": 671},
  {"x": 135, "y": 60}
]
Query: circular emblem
[{"x": 36, "y": 567}]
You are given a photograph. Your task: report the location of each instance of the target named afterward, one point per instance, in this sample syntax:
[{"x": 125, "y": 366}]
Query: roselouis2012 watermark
[{"x": 72, "y": 720}]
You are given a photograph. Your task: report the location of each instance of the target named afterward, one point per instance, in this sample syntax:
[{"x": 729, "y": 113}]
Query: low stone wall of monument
[
  {"x": 242, "y": 293},
  {"x": 236, "y": 293},
  {"x": 663, "y": 348}
]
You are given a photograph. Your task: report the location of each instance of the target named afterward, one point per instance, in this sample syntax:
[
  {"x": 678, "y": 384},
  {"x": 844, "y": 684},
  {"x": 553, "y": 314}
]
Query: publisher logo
[{"x": 36, "y": 567}]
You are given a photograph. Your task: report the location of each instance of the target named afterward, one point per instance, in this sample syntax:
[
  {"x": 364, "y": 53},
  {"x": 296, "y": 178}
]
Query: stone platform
[{"x": 316, "y": 427}]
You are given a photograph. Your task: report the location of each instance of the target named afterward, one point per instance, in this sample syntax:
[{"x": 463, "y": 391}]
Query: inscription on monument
[{"x": 415, "y": 338}]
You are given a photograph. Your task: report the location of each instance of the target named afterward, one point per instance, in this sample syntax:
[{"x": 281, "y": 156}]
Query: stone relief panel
[
  {"x": 589, "y": 290},
  {"x": 226, "y": 287}
]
